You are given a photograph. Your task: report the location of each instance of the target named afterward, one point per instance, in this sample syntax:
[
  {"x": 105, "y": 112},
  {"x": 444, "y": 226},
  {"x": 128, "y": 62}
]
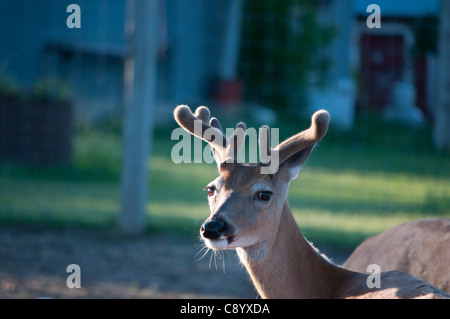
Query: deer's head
[{"x": 245, "y": 200}]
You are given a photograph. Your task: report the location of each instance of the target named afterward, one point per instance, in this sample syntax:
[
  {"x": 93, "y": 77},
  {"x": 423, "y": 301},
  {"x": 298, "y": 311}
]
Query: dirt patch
[{"x": 33, "y": 264}]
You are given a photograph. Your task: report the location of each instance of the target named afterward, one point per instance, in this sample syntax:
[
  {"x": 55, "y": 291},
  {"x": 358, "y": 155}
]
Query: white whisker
[
  {"x": 203, "y": 255},
  {"x": 228, "y": 254},
  {"x": 210, "y": 258},
  {"x": 215, "y": 255},
  {"x": 223, "y": 261}
]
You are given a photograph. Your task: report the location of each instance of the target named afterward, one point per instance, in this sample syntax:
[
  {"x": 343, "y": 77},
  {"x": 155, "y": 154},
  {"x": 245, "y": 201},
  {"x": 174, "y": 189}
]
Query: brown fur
[{"x": 421, "y": 248}]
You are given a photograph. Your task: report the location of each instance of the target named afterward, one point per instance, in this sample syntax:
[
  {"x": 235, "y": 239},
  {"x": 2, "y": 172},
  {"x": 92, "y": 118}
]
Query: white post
[
  {"x": 139, "y": 83},
  {"x": 442, "y": 113}
]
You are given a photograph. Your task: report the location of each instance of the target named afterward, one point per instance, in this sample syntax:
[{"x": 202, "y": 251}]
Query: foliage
[
  {"x": 46, "y": 89},
  {"x": 51, "y": 89},
  {"x": 8, "y": 86},
  {"x": 280, "y": 49}
]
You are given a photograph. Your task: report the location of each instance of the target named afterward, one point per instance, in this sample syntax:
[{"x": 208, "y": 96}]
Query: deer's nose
[{"x": 213, "y": 229}]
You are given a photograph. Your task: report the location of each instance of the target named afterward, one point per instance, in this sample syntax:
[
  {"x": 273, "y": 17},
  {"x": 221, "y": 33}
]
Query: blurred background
[{"x": 86, "y": 101}]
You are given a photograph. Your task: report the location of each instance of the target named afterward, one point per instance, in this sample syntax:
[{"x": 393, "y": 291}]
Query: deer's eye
[
  {"x": 264, "y": 195},
  {"x": 211, "y": 190}
]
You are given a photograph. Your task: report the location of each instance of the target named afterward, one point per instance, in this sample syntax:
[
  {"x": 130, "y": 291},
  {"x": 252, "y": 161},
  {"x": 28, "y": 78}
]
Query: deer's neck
[{"x": 289, "y": 267}]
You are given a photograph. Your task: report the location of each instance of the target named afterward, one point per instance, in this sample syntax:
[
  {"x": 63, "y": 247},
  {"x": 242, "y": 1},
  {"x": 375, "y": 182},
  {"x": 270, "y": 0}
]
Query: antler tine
[
  {"x": 184, "y": 117},
  {"x": 235, "y": 142},
  {"x": 202, "y": 113},
  {"x": 241, "y": 126},
  {"x": 215, "y": 123},
  {"x": 264, "y": 144},
  {"x": 308, "y": 137},
  {"x": 225, "y": 148}
]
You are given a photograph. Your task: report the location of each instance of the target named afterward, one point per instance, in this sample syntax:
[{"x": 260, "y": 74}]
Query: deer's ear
[{"x": 293, "y": 163}]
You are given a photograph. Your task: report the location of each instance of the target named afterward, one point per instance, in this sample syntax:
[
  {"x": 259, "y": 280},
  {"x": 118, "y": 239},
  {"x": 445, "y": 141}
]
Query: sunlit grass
[{"x": 346, "y": 207}]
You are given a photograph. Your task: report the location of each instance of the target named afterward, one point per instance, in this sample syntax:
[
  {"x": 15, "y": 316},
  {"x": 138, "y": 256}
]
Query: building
[{"x": 198, "y": 52}]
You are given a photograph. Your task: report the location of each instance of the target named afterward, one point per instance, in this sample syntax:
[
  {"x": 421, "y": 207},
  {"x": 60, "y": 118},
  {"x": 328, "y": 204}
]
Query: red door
[{"x": 382, "y": 64}]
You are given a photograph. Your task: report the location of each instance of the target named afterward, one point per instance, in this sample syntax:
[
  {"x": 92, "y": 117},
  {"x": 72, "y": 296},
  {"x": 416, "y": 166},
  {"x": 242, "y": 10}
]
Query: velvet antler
[{"x": 224, "y": 149}]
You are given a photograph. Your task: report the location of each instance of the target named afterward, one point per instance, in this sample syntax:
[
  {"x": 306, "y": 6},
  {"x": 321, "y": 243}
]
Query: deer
[
  {"x": 249, "y": 213},
  {"x": 420, "y": 248}
]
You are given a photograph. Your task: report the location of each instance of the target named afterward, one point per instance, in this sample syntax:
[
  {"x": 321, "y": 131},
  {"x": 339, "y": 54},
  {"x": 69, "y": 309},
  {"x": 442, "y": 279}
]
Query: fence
[{"x": 265, "y": 61}]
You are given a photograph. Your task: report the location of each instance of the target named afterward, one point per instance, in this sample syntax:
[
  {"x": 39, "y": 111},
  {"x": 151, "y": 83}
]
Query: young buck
[
  {"x": 250, "y": 213},
  {"x": 420, "y": 248}
]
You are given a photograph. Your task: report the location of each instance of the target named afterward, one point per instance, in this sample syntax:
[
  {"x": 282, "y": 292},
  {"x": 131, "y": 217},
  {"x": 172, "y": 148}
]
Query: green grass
[
  {"x": 354, "y": 185},
  {"x": 345, "y": 207}
]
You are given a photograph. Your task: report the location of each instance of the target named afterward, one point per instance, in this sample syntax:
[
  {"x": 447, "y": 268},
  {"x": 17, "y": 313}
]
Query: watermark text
[
  {"x": 74, "y": 18},
  {"x": 186, "y": 151},
  {"x": 74, "y": 279}
]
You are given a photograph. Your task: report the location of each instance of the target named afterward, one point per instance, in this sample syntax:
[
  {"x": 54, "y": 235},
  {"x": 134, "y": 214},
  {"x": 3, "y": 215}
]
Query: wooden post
[
  {"x": 442, "y": 113},
  {"x": 139, "y": 87}
]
